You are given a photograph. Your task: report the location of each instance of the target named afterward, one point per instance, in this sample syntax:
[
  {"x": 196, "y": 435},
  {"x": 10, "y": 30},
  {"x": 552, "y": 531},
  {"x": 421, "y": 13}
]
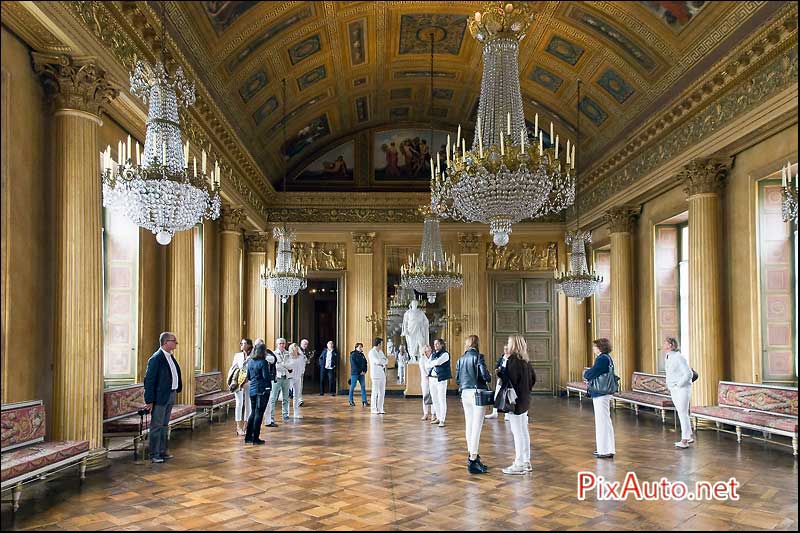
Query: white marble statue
[
  {"x": 390, "y": 348},
  {"x": 415, "y": 329}
]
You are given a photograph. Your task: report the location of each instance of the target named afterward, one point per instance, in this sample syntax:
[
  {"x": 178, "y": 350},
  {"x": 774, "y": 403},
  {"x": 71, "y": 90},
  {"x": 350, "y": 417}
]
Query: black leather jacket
[{"x": 471, "y": 371}]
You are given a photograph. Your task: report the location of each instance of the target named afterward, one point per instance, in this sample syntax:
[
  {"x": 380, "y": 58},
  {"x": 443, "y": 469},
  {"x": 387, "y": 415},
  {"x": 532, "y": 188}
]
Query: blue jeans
[{"x": 360, "y": 379}]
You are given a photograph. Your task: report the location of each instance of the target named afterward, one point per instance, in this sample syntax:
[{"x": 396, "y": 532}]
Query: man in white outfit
[
  {"x": 440, "y": 374},
  {"x": 280, "y": 385},
  {"x": 377, "y": 370}
]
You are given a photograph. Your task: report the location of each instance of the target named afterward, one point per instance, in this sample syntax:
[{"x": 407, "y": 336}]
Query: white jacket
[
  {"x": 282, "y": 362},
  {"x": 377, "y": 364},
  {"x": 298, "y": 366},
  {"x": 238, "y": 362},
  {"x": 679, "y": 373}
]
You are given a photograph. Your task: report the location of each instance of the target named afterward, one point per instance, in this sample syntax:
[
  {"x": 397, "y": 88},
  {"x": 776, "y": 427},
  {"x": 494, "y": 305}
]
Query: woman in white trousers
[
  {"x": 439, "y": 376},
  {"x": 428, "y": 411},
  {"x": 297, "y": 362},
  {"x": 242, "y": 410},
  {"x": 377, "y": 370},
  {"x": 679, "y": 382},
  {"x": 517, "y": 375},
  {"x": 500, "y": 363},
  {"x": 604, "y": 429},
  {"x": 472, "y": 376}
]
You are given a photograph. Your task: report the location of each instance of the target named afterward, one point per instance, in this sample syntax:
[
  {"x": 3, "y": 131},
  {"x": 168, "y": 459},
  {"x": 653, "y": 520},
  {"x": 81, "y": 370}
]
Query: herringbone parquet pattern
[{"x": 341, "y": 468}]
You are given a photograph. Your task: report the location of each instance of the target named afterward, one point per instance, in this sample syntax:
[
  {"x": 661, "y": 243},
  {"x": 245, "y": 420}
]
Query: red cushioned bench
[
  {"x": 26, "y": 457},
  {"x": 648, "y": 390},
  {"x": 769, "y": 409},
  {"x": 580, "y": 387},
  {"x": 120, "y": 417},
  {"x": 209, "y": 396}
]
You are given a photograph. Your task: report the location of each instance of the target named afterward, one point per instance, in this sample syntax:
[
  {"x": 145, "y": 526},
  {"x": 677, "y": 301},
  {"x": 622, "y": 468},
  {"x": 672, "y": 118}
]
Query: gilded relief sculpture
[
  {"x": 321, "y": 256},
  {"x": 522, "y": 257}
]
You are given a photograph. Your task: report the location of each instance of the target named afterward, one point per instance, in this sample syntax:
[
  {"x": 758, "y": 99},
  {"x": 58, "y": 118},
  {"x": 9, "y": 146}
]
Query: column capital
[
  {"x": 703, "y": 176},
  {"x": 469, "y": 243},
  {"x": 363, "y": 241},
  {"x": 257, "y": 242},
  {"x": 621, "y": 219},
  {"x": 231, "y": 218},
  {"x": 74, "y": 82}
]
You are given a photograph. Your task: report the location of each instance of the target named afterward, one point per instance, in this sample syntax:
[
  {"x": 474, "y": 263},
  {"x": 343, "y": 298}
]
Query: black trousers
[
  {"x": 258, "y": 404},
  {"x": 327, "y": 375}
]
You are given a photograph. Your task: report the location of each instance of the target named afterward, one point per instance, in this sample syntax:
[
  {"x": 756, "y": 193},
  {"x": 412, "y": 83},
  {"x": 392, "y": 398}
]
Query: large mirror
[{"x": 397, "y": 303}]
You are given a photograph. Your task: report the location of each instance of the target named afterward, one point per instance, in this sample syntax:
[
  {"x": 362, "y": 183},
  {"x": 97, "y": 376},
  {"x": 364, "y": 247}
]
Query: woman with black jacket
[
  {"x": 472, "y": 376},
  {"x": 603, "y": 429},
  {"x": 518, "y": 375},
  {"x": 260, "y": 374}
]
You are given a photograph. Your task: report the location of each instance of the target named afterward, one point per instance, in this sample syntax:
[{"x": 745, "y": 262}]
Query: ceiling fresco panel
[
  {"x": 311, "y": 77},
  {"x": 676, "y": 15},
  {"x": 356, "y": 34},
  {"x": 253, "y": 85},
  {"x": 308, "y": 135},
  {"x": 546, "y": 79},
  {"x": 304, "y": 49},
  {"x": 448, "y": 33},
  {"x": 617, "y": 87},
  {"x": 564, "y": 50},
  {"x": 222, "y": 15}
]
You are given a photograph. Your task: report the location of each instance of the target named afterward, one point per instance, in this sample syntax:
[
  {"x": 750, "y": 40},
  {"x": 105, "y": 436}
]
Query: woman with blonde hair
[
  {"x": 518, "y": 380},
  {"x": 472, "y": 376},
  {"x": 679, "y": 382},
  {"x": 428, "y": 409},
  {"x": 297, "y": 365}
]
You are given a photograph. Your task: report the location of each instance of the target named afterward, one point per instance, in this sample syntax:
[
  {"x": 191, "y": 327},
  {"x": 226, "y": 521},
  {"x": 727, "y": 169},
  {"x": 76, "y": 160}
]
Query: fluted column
[
  {"x": 359, "y": 289},
  {"x": 180, "y": 307},
  {"x": 577, "y": 346},
  {"x": 152, "y": 291},
  {"x": 79, "y": 90},
  {"x": 621, "y": 221},
  {"x": 703, "y": 181},
  {"x": 211, "y": 278},
  {"x": 257, "y": 302},
  {"x": 469, "y": 244},
  {"x": 230, "y": 284}
]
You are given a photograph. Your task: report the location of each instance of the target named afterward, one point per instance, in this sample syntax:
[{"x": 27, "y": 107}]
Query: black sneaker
[
  {"x": 248, "y": 441},
  {"x": 271, "y": 425},
  {"x": 473, "y": 468},
  {"x": 480, "y": 464},
  {"x": 259, "y": 442},
  {"x": 352, "y": 404}
]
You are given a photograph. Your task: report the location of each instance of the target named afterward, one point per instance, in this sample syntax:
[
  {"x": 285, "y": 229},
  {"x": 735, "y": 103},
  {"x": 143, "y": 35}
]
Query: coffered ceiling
[{"x": 355, "y": 68}]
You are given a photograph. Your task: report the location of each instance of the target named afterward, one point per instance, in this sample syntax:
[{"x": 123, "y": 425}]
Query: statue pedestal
[{"x": 413, "y": 386}]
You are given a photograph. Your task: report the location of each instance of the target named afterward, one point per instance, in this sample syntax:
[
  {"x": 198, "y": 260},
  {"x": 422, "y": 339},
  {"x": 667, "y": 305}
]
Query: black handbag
[
  {"x": 484, "y": 397},
  {"x": 695, "y": 375}
]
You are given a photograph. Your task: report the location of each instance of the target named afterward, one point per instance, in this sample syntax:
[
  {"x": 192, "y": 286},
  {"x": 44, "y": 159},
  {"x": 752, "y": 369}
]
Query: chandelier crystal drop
[
  {"x": 156, "y": 190},
  {"x": 508, "y": 174},
  {"x": 433, "y": 270},
  {"x": 288, "y": 276},
  {"x": 789, "y": 193},
  {"x": 578, "y": 282}
]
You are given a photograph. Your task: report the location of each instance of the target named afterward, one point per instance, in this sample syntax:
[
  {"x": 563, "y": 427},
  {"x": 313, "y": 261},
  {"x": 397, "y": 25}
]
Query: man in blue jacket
[{"x": 162, "y": 383}]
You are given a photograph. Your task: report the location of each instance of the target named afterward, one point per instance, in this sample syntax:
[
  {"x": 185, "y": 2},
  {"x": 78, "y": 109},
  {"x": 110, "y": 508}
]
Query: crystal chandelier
[
  {"x": 432, "y": 271},
  {"x": 288, "y": 276},
  {"x": 157, "y": 192},
  {"x": 789, "y": 193},
  {"x": 578, "y": 282},
  {"x": 504, "y": 178}
]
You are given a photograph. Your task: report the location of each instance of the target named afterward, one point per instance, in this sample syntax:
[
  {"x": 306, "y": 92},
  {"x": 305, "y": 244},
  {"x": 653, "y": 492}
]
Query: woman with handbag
[
  {"x": 472, "y": 377},
  {"x": 518, "y": 379},
  {"x": 260, "y": 374},
  {"x": 602, "y": 385},
  {"x": 500, "y": 363},
  {"x": 679, "y": 382},
  {"x": 236, "y": 375}
]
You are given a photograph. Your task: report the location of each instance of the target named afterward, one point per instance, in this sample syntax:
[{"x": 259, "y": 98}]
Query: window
[
  {"x": 683, "y": 288},
  {"x": 671, "y": 287},
  {"x": 198, "y": 298},
  {"x": 120, "y": 298},
  {"x": 602, "y": 300}
]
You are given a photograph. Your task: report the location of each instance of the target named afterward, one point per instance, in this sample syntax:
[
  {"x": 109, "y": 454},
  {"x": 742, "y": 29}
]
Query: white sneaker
[
  {"x": 514, "y": 470},
  {"x": 527, "y": 466},
  {"x": 426, "y": 417},
  {"x": 296, "y": 417},
  {"x": 691, "y": 440},
  {"x": 681, "y": 444},
  {"x": 441, "y": 423},
  {"x": 434, "y": 420},
  {"x": 493, "y": 414}
]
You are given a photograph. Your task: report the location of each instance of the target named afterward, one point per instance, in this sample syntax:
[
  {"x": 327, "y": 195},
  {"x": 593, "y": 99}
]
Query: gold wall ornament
[
  {"x": 456, "y": 321},
  {"x": 469, "y": 243},
  {"x": 74, "y": 82},
  {"x": 378, "y": 322},
  {"x": 363, "y": 241},
  {"x": 231, "y": 218},
  {"x": 526, "y": 256},
  {"x": 702, "y": 176},
  {"x": 320, "y": 256},
  {"x": 257, "y": 242},
  {"x": 622, "y": 219}
]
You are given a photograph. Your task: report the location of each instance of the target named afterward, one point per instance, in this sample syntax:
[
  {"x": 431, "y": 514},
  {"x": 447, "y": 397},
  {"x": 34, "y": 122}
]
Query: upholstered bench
[
  {"x": 209, "y": 396},
  {"x": 769, "y": 409},
  {"x": 648, "y": 390},
  {"x": 581, "y": 387},
  {"x": 121, "y": 418},
  {"x": 26, "y": 457}
]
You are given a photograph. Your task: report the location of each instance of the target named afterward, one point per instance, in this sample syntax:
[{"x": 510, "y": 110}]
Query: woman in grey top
[{"x": 679, "y": 382}]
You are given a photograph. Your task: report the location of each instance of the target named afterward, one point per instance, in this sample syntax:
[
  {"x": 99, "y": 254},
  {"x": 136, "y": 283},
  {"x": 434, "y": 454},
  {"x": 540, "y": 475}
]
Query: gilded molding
[
  {"x": 74, "y": 82},
  {"x": 469, "y": 243},
  {"x": 703, "y": 176},
  {"x": 622, "y": 219},
  {"x": 519, "y": 257},
  {"x": 363, "y": 241},
  {"x": 231, "y": 218},
  {"x": 320, "y": 256},
  {"x": 256, "y": 242},
  {"x": 28, "y": 27}
]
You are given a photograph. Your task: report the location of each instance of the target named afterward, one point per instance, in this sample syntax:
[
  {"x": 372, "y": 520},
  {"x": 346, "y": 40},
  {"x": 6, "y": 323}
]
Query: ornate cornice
[
  {"x": 363, "y": 241},
  {"x": 622, "y": 219},
  {"x": 33, "y": 32},
  {"x": 703, "y": 176},
  {"x": 231, "y": 218},
  {"x": 256, "y": 242},
  {"x": 469, "y": 243},
  {"x": 74, "y": 82}
]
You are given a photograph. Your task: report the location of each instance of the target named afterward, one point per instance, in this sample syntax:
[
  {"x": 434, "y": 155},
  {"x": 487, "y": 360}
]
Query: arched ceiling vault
[{"x": 352, "y": 67}]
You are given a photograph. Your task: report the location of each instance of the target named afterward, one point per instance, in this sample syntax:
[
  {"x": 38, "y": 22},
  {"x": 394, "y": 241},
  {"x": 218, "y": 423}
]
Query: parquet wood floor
[{"x": 342, "y": 468}]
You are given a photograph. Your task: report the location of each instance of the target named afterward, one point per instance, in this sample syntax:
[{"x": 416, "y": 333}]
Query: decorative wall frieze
[
  {"x": 363, "y": 241},
  {"x": 33, "y": 32},
  {"x": 256, "y": 242},
  {"x": 702, "y": 176},
  {"x": 522, "y": 257},
  {"x": 469, "y": 243},
  {"x": 231, "y": 218},
  {"x": 74, "y": 82},
  {"x": 622, "y": 219},
  {"x": 320, "y": 256}
]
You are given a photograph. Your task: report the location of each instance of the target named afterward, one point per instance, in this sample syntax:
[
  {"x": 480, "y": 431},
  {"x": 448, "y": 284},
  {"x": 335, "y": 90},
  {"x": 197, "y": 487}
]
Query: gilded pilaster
[
  {"x": 78, "y": 89},
  {"x": 703, "y": 181},
  {"x": 211, "y": 278},
  {"x": 256, "y": 245},
  {"x": 359, "y": 295},
  {"x": 469, "y": 245},
  {"x": 230, "y": 279},
  {"x": 621, "y": 221},
  {"x": 151, "y": 298},
  {"x": 577, "y": 346},
  {"x": 180, "y": 307}
]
